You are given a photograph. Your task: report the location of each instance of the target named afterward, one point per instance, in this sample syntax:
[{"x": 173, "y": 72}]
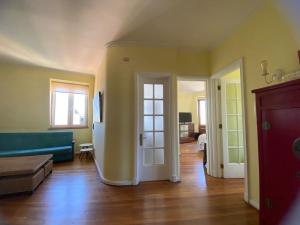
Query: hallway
[{"x": 74, "y": 195}]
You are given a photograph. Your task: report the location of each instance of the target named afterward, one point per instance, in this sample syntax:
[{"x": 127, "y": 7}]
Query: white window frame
[
  {"x": 70, "y": 107},
  {"x": 198, "y": 110}
]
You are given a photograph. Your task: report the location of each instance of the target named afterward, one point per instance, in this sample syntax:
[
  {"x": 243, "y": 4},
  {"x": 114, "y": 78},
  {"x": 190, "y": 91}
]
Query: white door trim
[
  {"x": 173, "y": 172},
  {"x": 208, "y": 120},
  {"x": 215, "y": 143}
]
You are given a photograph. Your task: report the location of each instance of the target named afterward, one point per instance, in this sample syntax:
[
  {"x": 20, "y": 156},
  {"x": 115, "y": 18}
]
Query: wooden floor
[
  {"x": 73, "y": 195},
  {"x": 191, "y": 147}
]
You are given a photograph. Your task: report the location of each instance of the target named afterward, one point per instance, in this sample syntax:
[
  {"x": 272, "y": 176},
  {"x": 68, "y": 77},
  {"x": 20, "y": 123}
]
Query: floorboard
[{"x": 74, "y": 195}]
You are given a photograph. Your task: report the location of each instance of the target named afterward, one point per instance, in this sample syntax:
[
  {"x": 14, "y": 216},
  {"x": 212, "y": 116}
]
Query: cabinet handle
[
  {"x": 269, "y": 204},
  {"x": 266, "y": 126},
  {"x": 296, "y": 148}
]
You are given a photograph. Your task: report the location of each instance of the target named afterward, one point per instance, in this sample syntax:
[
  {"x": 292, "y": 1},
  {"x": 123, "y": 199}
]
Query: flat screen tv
[{"x": 185, "y": 117}]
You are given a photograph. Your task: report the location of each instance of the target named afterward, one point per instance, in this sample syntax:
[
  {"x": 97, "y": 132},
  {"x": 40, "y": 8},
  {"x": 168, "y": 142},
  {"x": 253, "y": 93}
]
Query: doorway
[
  {"x": 228, "y": 136},
  {"x": 192, "y": 120}
]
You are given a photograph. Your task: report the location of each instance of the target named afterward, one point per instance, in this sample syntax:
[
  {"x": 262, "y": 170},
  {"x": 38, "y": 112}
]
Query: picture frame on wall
[{"x": 98, "y": 108}]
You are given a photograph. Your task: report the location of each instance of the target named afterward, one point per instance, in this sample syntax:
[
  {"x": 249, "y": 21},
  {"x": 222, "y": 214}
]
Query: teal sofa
[{"x": 60, "y": 144}]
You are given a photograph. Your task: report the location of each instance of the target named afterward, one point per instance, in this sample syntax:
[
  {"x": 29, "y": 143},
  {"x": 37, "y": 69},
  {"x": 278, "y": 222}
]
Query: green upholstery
[{"x": 60, "y": 144}]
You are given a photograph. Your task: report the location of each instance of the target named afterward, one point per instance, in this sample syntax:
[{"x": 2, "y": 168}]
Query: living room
[{"x": 90, "y": 111}]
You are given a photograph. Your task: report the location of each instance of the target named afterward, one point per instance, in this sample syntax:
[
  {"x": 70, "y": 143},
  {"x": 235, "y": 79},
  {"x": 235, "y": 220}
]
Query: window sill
[{"x": 67, "y": 127}]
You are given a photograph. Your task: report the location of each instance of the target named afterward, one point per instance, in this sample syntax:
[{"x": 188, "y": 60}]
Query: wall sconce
[{"x": 278, "y": 75}]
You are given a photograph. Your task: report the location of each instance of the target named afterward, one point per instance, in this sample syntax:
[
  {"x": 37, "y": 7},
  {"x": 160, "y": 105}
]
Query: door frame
[
  {"x": 208, "y": 118},
  {"x": 172, "y": 158},
  {"x": 216, "y": 144}
]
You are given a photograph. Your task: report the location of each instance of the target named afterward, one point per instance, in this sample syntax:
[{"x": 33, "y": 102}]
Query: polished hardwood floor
[
  {"x": 74, "y": 195},
  {"x": 191, "y": 147}
]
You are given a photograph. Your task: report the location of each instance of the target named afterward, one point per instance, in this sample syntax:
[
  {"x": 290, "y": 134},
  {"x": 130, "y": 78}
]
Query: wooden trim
[
  {"x": 69, "y": 82},
  {"x": 276, "y": 86},
  {"x": 67, "y": 127},
  {"x": 238, "y": 64}
]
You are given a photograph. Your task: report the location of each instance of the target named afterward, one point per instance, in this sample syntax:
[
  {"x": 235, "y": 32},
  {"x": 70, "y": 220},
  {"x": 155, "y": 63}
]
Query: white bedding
[{"x": 201, "y": 141}]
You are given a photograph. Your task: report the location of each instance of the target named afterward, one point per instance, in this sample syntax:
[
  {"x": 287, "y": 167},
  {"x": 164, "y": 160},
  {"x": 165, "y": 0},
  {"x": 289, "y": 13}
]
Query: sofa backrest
[{"x": 15, "y": 141}]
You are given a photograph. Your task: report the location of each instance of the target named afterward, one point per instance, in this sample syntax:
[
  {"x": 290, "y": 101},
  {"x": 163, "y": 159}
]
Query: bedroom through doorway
[{"x": 192, "y": 109}]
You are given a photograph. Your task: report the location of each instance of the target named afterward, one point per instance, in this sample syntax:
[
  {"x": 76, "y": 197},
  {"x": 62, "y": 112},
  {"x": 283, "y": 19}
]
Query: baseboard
[
  {"x": 254, "y": 203},
  {"x": 246, "y": 198},
  {"x": 175, "y": 179},
  {"x": 111, "y": 182}
]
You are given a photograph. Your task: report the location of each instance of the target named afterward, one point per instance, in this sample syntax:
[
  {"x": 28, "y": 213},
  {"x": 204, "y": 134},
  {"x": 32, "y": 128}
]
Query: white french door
[
  {"x": 232, "y": 131},
  {"x": 154, "y": 135}
]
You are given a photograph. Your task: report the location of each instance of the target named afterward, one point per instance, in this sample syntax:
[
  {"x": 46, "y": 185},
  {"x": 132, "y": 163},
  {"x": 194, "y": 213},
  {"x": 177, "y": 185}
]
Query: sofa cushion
[
  {"x": 17, "y": 141},
  {"x": 36, "y": 151}
]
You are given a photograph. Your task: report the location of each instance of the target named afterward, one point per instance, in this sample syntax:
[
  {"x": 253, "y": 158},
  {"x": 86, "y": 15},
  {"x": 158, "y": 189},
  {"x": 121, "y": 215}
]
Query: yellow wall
[
  {"x": 119, "y": 101},
  {"x": 266, "y": 35},
  {"x": 188, "y": 102},
  {"x": 24, "y": 101},
  {"x": 99, "y": 128}
]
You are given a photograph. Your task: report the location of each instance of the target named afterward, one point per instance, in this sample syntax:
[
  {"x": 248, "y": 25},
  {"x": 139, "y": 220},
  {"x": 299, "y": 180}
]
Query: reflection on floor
[
  {"x": 73, "y": 194},
  {"x": 192, "y": 147}
]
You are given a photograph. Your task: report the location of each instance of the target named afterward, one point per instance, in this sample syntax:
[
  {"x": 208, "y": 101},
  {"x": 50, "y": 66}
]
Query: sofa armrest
[{"x": 73, "y": 148}]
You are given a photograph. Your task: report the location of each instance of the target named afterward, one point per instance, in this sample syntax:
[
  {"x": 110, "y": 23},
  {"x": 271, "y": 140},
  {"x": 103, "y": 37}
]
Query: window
[
  {"x": 69, "y": 104},
  {"x": 202, "y": 111}
]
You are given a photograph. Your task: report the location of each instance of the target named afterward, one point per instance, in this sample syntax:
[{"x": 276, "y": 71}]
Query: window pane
[
  {"x": 148, "y": 106},
  {"x": 61, "y": 108},
  {"x": 148, "y": 123},
  {"x": 159, "y": 91},
  {"x": 159, "y": 107},
  {"x": 159, "y": 156},
  {"x": 79, "y": 109},
  {"x": 159, "y": 139},
  {"x": 159, "y": 123},
  {"x": 148, "y": 139},
  {"x": 203, "y": 112},
  {"x": 148, "y": 90}
]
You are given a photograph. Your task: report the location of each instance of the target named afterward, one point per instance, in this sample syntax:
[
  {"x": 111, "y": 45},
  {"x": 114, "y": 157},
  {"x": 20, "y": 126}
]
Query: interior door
[
  {"x": 232, "y": 129},
  {"x": 154, "y": 146}
]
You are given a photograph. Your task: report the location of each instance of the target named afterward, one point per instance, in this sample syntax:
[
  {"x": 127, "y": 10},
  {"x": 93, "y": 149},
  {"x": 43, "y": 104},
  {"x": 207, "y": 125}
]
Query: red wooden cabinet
[{"x": 278, "y": 123}]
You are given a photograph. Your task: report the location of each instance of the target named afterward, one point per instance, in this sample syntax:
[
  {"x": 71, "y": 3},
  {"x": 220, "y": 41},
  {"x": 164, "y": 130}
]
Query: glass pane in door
[
  {"x": 148, "y": 156},
  {"x": 154, "y": 135},
  {"x": 159, "y": 156},
  {"x": 234, "y": 123}
]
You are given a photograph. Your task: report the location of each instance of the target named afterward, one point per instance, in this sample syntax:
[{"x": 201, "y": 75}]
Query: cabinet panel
[
  {"x": 278, "y": 124},
  {"x": 280, "y": 163}
]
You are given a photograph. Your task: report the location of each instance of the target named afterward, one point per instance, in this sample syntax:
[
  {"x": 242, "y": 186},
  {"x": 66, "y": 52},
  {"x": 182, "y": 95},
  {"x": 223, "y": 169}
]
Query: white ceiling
[
  {"x": 71, "y": 34},
  {"x": 191, "y": 86}
]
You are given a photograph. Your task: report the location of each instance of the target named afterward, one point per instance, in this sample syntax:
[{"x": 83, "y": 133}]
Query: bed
[{"x": 202, "y": 142}]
